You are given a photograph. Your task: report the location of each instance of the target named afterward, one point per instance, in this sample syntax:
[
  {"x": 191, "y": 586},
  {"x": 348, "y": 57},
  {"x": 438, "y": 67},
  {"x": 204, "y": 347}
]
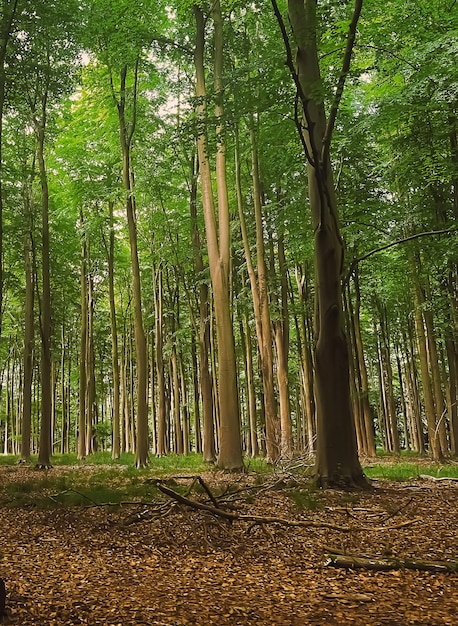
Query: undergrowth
[{"x": 100, "y": 480}]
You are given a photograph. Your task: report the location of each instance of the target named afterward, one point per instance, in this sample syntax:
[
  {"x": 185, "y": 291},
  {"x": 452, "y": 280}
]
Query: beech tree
[
  {"x": 337, "y": 460},
  {"x": 218, "y": 243},
  {"x": 210, "y": 176}
]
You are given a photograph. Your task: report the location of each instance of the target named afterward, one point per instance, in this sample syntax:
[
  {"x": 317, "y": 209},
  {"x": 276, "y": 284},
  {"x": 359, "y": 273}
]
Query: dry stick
[
  {"x": 349, "y": 561},
  {"x": 256, "y": 519}
]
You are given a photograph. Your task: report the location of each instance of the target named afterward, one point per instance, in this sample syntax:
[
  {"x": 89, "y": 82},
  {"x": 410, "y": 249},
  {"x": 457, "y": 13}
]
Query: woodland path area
[{"x": 168, "y": 564}]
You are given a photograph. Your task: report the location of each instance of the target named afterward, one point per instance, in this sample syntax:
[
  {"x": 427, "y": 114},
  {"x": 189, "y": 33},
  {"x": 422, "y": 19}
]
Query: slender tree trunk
[
  {"x": 250, "y": 387},
  {"x": 428, "y": 395},
  {"x": 90, "y": 370},
  {"x": 307, "y": 383},
  {"x": 230, "y": 449},
  {"x": 184, "y": 406},
  {"x": 116, "y": 445},
  {"x": 387, "y": 375},
  {"x": 83, "y": 347},
  {"x": 178, "y": 447},
  {"x": 435, "y": 374},
  {"x": 63, "y": 393},
  {"x": 44, "y": 454},
  {"x": 452, "y": 396},
  {"x": 29, "y": 336},
  {"x": 126, "y": 134},
  {"x": 161, "y": 446},
  {"x": 209, "y": 453},
  {"x": 8, "y": 14},
  {"x": 281, "y": 327},
  {"x": 259, "y": 291},
  {"x": 364, "y": 385}
]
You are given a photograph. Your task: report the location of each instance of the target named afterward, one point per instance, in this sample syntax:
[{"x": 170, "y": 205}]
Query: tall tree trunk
[
  {"x": 161, "y": 446},
  {"x": 178, "y": 447},
  {"x": 428, "y": 394},
  {"x": 306, "y": 359},
  {"x": 116, "y": 443},
  {"x": 44, "y": 453},
  {"x": 90, "y": 370},
  {"x": 209, "y": 453},
  {"x": 83, "y": 346},
  {"x": 126, "y": 135},
  {"x": 29, "y": 334},
  {"x": 364, "y": 385},
  {"x": 218, "y": 244},
  {"x": 251, "y": 393},
  {"x": 8, "y": 14},
  {"x": 259, "y": 291},
  {"x": 281, "y": 330},
  {"x": 337, "y": 460}
]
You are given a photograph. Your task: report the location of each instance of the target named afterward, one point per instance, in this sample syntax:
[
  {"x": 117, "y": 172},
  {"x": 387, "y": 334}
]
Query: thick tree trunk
[{"x": 337, "y": 462}]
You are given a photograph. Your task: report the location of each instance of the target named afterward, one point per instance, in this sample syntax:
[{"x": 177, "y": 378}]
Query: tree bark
[
  {"x": 259, "y": 291},
  {"x": 44, "y": 453},
  {"x": 126, "y": 135},
  {"x": 230, "y": 449},
  {"x": 337, "y": 462},
  {"x": 209, "y": 453},
  {"x": 29, "y": 335},
  {"x": 83, "y": 346},
  {"x": 8, "y": 14},
  {"x": 161, "y": 447}
]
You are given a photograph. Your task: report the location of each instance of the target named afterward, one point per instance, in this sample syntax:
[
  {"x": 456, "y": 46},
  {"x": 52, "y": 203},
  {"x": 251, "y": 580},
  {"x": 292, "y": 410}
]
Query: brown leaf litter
[{"x": 172, "y": 565}]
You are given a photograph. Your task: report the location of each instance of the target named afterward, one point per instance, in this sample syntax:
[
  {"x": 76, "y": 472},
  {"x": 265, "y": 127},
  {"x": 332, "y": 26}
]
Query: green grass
[
  {"x": 408, "y": 471},
  {"x": 100, "y": 480}
]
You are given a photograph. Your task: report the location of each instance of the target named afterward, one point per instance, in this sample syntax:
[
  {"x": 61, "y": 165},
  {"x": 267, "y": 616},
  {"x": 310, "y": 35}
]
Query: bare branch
[{"x": 342, "y": 78}]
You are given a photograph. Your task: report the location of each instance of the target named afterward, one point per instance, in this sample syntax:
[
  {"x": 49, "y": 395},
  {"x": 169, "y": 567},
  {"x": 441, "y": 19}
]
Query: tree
[
  {"x": 337, "y": 460},
  {"x": 218, "y": 243}
]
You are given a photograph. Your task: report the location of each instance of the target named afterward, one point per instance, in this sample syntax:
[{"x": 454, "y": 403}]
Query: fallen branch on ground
[
  {"x": 354, "y": 561},
  {"x": 256, "y": 519}
]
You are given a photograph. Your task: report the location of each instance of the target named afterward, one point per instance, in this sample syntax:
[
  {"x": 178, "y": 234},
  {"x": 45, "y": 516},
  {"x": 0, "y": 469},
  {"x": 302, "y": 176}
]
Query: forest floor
[{"x": 165, "y": 563}]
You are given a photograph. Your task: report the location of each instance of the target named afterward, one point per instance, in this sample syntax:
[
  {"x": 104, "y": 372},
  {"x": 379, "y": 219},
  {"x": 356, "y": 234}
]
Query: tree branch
[
  {"x": 342, "y": 78},
  {"x": 355, "y": 262},
  {"x": 350, "y": 561},
  {"x": 257, "y": 519}
]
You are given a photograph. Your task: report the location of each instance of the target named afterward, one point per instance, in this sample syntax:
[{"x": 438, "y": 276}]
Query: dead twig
[{"x": 256, "y": 519}]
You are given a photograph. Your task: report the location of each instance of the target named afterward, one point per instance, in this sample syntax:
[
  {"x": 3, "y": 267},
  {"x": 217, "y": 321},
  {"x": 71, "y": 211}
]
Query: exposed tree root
[{"x": 355, "y": 481}]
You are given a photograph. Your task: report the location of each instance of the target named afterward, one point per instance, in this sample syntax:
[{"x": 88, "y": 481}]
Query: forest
[{"x": 229, "y": 228}]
